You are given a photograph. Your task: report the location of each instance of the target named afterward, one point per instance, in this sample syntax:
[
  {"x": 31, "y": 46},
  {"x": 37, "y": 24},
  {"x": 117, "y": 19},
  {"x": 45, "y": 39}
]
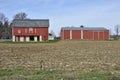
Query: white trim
[
  {"x": 19, "y": 31},
  {"x": 40, "y": 37},
  {"x": 35, "y": 38},
  {"x": 70, "y": 34},
  {"x": 27, "y": 39},
  {"x": 16, "y": 38},
  {"x": 81, "y": 34},
  {"x": 13, "y": 38},
  {"x": 21, "y": 39},
  {"x": 30, "y": 30}
]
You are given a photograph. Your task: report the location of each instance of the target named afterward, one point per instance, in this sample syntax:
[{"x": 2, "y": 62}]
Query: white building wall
[
  {"x": 21, "y": 39},
  {"x": 51, "y": 38},
  {"x": 13, "y": 38},
  {"x": 35, "y": 38},
  {"x": 16, "y": 39},
  {"x": 27, "y": 39},
  {"x": 40, "y": 37}
]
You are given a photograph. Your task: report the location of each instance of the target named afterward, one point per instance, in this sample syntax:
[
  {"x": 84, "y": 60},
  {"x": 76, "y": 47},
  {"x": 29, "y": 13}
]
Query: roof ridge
[
  {"x": 84, "y": 28},
  {"x": 31, "y": 20}
]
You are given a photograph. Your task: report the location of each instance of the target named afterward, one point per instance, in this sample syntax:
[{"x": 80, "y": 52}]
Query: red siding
[
  {"x": 87, "y": 34},
  {"x": 101, "y": 35},
  {"x": 96, "y": 35},
  {"x": 35, "y": 32},
  {"x": 76, "y": 34},
  {"x": 67, "y": 34},
  {"x": 106, "y": 34}
]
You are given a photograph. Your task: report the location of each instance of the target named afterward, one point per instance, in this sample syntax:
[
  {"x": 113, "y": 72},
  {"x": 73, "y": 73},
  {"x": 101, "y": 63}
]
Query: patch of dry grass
[{"x": 68, "y": 55}]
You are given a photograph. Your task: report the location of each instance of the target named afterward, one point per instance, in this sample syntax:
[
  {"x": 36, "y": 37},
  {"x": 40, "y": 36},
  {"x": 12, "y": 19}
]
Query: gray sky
[{"x": 61, "y": 13}]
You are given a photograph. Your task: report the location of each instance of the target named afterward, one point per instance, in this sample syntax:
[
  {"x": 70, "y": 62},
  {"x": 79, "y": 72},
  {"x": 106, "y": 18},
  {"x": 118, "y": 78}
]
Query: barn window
[
  {"x": 30, "y": 29},
  {"x": 25, "y": 30},
  {"x": 19, "y": 31}
]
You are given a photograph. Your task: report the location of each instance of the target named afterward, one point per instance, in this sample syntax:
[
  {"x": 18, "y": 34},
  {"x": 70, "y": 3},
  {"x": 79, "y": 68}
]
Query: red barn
[
  {"x": 84, "y": 33},
  {"x": 30, "y": 30}
]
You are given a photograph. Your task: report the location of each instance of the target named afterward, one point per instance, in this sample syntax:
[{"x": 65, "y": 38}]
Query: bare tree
[
  {"x": 52, "y": 33},
  {"x": 2, "y": 18},
  {"x": 117, "y": 31},
  {"x": 6, "y": 24},
  {"x": 1, "y": 24},
  {"x": 21, "y": 15}
]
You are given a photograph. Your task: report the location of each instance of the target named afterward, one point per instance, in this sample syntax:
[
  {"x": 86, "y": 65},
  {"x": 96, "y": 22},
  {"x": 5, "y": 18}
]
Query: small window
[
  {"x": 31, "y": 29},
  {"x": 25, "y": 30},
  {"x": 19, "y": 31}
]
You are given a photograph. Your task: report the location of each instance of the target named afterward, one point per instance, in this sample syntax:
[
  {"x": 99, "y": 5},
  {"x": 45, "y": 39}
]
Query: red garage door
[{"x": 96, "y": 36}]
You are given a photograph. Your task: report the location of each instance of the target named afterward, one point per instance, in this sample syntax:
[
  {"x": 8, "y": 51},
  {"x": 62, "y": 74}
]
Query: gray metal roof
[
  {"x": 30, "y": 23},
  {"x": 84, "y": 28}
]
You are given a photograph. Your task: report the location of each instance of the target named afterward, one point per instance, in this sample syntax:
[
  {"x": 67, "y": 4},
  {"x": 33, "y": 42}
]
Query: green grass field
[{"x": 32, "y": 74}]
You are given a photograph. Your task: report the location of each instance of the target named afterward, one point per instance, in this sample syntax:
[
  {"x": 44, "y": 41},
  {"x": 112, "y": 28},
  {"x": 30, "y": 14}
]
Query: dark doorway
[
  {"x": 38, "y": 38},
  {"x": 31, "y": 38}
]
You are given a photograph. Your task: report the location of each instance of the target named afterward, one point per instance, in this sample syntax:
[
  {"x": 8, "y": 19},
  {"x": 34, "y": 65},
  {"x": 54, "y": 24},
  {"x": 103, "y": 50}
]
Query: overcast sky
[{"x": 61, "y": 13}]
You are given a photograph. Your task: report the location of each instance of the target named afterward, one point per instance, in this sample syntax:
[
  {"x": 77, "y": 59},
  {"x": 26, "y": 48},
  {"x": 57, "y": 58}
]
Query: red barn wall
[
  {"x": 106, "y": 34},
  {"x": 24, "y": 39},
  {"x": 36, "y": 32},
  {"x": 96, "y": 35},
  {"x": 87, "y": 34},
  {"x": 18, "y": 38},
  {"x": 66, "y": 34},
  {"x": 101, "y": 35},
  {"x": 76, "y": 34}
]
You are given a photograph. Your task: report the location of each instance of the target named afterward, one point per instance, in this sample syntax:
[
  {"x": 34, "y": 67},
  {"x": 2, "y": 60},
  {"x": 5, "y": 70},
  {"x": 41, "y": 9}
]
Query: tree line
[{"x": 5, "y": 28}]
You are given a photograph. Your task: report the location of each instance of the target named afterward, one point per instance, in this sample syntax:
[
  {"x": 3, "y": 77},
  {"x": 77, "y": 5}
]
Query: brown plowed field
[{"x": 83, "y": 55}]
